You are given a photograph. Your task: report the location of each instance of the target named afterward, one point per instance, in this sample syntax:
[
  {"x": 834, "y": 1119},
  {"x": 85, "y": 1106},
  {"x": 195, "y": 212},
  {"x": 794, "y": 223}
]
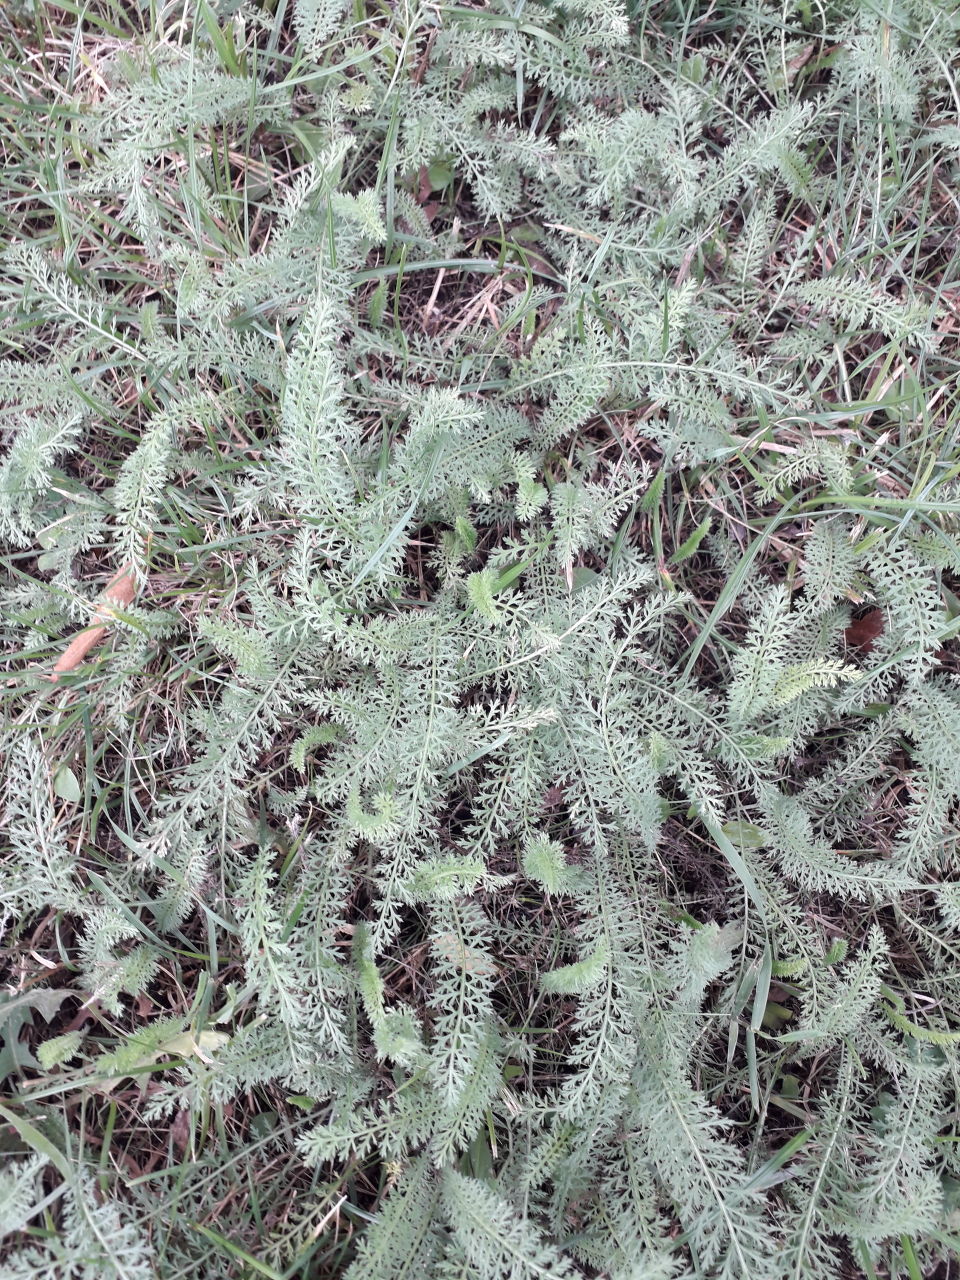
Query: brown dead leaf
[
  {"x": 864, "y": 630},
  {"x": 118, "y": 593}
]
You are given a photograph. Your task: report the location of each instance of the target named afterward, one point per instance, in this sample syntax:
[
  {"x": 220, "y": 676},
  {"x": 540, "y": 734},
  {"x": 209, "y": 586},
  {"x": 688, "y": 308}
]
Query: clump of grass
[{"x": 485, "y": 482}]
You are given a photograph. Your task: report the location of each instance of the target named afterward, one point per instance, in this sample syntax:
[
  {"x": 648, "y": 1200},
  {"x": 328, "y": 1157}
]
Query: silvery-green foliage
[{"x": 449, "y": 736}]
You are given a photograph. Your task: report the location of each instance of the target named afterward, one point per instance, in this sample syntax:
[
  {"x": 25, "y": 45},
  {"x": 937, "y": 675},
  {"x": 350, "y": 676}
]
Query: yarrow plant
[{"x": 480, "y": 519}]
